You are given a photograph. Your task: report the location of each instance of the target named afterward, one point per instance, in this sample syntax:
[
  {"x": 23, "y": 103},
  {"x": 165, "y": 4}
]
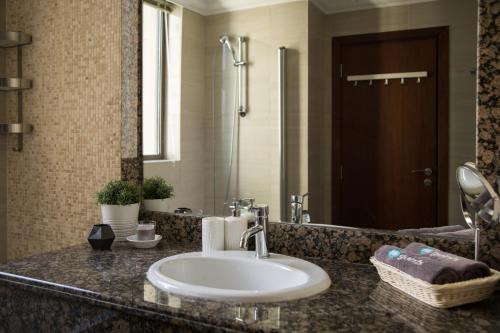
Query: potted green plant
[
  {"x": 119, "y": 202},
  {"x": 156, "y": 192}
]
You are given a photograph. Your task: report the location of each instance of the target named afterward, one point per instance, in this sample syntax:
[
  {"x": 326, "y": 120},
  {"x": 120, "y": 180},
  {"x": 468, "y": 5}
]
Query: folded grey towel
[
  {"x": 466, "y": 268},
  {"x": 421, "y": 267},
  {"x": 437, "y": 230}
]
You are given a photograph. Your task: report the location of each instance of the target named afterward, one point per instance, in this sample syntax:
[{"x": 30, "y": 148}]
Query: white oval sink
[{"x": 238, "y": 276}]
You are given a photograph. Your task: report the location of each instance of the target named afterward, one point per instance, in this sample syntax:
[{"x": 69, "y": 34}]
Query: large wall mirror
[{"x": 361, "y": 111}]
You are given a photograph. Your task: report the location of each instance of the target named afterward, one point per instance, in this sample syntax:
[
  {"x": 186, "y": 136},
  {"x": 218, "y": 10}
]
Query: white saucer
[{"x": 144, "y": 244}]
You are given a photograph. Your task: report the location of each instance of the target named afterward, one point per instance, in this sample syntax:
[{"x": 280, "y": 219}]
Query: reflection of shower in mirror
[{"x": 232, "y": 108}]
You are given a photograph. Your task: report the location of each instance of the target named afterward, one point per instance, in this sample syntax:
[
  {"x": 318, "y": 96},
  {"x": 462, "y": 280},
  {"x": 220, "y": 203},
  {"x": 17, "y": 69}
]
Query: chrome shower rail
[
  {"x": 240, "y": 63},
  {"x": 282, "y": 131},
  {"x": 242, "y": 109}
]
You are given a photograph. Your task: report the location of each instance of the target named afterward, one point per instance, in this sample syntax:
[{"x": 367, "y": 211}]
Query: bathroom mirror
[{"x": 368, "y": 107}]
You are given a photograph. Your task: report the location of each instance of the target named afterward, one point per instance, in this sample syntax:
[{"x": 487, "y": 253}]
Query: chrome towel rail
[
  {"x": 14, "y": 83},
  {"x": 15, "y": 128},
  {"x": 282, "y": 131},
  {"x": 14, "y": 38}
]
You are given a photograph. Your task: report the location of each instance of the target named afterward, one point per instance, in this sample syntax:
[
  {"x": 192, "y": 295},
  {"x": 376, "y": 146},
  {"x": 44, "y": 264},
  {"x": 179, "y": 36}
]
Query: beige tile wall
[
  {"x": 188, "y": 175},
  {"x": 461, "y": 16},
  {"x": 74, "y": 105},
  {"x": 267, "y": 28}
]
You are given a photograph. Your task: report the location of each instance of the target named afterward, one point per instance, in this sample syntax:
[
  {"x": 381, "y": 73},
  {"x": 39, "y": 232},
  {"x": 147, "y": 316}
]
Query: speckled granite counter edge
[
  {"x": 77, "y": 281},
  {"x": 75, "y": 297},
  {"x": 69, "y": 293}
]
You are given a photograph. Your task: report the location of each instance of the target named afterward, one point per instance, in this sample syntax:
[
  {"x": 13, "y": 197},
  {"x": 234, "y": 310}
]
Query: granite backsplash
[{"x": 332, "y": 242}]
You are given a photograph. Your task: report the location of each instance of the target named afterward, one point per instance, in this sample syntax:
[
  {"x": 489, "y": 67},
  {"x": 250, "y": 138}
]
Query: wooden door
[{"x": 389, "y": 132}]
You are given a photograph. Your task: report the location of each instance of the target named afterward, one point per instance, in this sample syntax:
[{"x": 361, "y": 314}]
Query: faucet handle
[
  {"x": 260, "y": 210},
  {"x": 235, "y": 208},
  {"x": 297, "y": 198},
  {"x": 247, "y": 203}
]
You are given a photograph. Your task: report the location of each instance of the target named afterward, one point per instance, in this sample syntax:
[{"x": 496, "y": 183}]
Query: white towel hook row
[{"x": 386, "y": 77}]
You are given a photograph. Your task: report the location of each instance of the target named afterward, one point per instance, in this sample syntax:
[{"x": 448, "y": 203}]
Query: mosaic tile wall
[
  {"x": 75, "y": 107},
  {"x": 488, "y": 87}
]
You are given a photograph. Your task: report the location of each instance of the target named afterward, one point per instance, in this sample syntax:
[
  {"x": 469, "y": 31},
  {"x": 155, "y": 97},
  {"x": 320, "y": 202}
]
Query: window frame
[{"x": 162, "y": 81}]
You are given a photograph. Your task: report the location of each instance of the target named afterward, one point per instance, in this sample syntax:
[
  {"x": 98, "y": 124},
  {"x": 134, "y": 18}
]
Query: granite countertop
[{"x": 357, "y": 300}]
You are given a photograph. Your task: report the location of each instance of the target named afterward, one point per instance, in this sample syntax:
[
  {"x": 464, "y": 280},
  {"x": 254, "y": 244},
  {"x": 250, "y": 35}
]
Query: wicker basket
[{"x": 438, "y": 295}]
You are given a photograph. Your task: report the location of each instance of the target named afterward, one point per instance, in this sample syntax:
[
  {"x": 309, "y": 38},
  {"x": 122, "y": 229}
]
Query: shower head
[{"x": 224, "y": 40}]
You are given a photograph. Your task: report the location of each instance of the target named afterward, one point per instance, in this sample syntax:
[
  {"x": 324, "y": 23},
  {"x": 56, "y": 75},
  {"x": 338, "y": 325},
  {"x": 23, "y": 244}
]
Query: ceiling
[
  {"x": 338, "y": 6},
  {"x": 211, "y": 7}
]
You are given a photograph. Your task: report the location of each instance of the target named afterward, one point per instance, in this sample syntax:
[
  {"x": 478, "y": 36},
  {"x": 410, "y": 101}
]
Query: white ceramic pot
[
  {"x": 156, "y": 205},
  {"x": 122, "y": 219}
]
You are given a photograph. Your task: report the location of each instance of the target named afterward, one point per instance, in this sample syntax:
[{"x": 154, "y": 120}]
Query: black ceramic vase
[{"x": 101, "y": 237}]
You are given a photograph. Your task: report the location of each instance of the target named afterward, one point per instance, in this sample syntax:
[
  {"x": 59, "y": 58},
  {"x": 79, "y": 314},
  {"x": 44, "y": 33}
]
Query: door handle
[{"x": 426, "y": 171}]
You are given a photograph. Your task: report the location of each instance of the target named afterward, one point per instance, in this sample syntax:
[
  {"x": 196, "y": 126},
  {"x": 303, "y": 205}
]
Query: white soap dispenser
[{"x": 234, "y": 226}]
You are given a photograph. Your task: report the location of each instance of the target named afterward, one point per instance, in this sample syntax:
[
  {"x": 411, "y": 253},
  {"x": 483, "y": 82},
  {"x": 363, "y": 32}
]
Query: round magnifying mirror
[
  {"x": 479, "y": 199},
  {"x": 480, "y": 203}
]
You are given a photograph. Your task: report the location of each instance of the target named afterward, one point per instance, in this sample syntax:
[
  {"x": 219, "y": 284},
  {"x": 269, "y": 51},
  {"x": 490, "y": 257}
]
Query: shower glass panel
[{"x": 244, "y": 158}]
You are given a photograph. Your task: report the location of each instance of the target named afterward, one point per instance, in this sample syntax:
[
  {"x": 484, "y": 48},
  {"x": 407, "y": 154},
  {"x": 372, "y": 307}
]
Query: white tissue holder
[
  {"x": 439, "y": 295},
  {"x": 212, "y": 235}
]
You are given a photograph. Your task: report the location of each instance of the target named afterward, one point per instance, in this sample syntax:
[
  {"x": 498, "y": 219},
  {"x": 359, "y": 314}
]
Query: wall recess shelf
[{"x": 16, "y": 39}]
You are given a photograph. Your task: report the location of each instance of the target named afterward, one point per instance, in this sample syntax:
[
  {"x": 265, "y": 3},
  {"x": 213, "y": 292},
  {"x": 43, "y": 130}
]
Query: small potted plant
[
  {"x": 119, "y": 202},
  {"x": 156, "y": 192}
]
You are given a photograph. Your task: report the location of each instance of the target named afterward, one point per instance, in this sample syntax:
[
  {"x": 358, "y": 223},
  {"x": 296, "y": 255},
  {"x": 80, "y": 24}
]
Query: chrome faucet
[
  {"x": 297, "y": 205},
  {"x": 259, "y": 230}
]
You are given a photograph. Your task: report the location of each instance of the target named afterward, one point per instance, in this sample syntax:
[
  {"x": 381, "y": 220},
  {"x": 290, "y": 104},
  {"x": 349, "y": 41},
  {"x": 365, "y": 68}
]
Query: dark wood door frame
[{"x": 442, "y": 37}]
